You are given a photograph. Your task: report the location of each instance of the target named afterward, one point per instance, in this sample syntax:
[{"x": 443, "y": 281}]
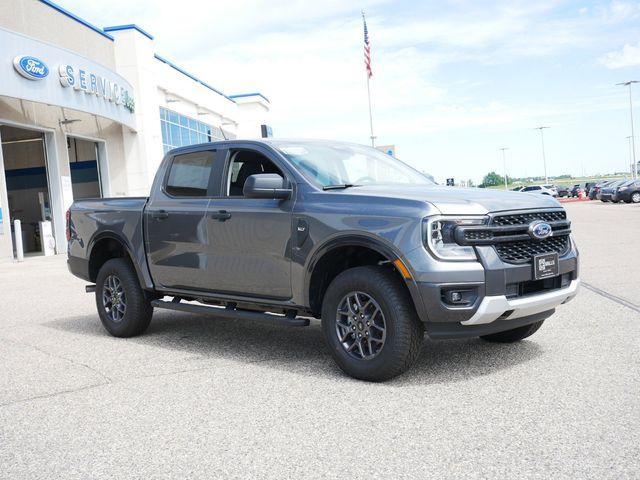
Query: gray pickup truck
[{"x": 282, "y": 231}]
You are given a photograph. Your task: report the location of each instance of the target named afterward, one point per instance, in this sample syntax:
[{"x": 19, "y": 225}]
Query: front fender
[{"x": 375, "y": 243}]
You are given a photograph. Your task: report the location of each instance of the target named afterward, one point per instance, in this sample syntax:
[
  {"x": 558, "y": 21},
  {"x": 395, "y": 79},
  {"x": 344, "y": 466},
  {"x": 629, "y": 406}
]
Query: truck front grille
[
  {"x": 524, "y": 251},
  {"x": 509, "y": 234},
  {"x": 527, "y": 217}
]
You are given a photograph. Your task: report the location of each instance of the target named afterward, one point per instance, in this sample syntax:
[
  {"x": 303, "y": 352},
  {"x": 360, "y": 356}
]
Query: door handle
[
  {"x": 221, "y": 215},
  {"x": 160, "y": 214}
]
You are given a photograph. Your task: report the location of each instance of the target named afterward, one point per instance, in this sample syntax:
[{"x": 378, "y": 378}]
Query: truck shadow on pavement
[{"x": 301, "y": 350}]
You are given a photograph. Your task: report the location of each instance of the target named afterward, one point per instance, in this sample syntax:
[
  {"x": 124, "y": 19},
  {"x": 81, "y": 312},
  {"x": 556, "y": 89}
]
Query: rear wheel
[
  {"x": 370, "y": 324},
  {"x": 122, "y": 305},
  {"x": 514, "y": 335}
]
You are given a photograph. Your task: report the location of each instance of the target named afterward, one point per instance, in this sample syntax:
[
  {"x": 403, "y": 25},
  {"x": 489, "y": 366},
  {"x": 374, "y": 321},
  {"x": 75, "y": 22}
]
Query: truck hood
[{"x": 459, "y": 201}]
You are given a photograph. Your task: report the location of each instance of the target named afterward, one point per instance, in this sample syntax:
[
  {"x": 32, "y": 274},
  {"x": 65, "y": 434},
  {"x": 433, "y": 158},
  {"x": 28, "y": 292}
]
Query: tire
[
  {"x": 635, "y": 197},
  {"x": 514, "y": 335},
  {"x": 117, "y": 279},
  {"x": 381, "y": 355}
]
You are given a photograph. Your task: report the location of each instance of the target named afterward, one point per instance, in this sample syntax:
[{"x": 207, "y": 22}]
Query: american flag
[{"x": 367, "y": 48}]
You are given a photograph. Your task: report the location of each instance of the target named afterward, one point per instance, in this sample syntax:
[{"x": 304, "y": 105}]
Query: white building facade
[{"x": 90, "y": 112}]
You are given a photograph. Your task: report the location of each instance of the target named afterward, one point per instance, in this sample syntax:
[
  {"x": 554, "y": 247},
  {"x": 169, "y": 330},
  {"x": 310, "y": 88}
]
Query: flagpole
[
  {"x": 373, "y": 138},
  {"x": 368, "y": 72}
]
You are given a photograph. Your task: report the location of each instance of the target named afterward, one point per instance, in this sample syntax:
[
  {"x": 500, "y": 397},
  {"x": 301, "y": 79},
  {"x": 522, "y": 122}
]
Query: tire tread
[
  {"x": 139, "y": 310},
  {"x": 409, "y": 331}
]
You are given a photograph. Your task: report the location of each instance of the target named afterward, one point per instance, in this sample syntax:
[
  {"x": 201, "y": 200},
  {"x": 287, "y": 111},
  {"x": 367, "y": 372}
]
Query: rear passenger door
[{"x": 175, "y": 219}]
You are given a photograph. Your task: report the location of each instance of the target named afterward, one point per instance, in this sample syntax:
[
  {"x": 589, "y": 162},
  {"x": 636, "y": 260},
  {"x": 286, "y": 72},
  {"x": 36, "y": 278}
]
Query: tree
[{"x": 492, "y": 179}]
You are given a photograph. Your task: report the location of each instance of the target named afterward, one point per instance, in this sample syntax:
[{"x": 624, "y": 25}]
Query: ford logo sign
[
  {"x": 539, "y": 230},
  {"x": 30, "y": 67}
]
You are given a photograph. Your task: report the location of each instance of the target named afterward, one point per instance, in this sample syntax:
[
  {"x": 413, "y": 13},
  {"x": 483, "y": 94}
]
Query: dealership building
[{"x": 89, "y": 112}]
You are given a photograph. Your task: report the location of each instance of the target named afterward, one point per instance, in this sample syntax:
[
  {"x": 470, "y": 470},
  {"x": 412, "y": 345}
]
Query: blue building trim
[
  {"x": 76, "y": 18},
  {"x": 131, "y": 26},
  {"x": 192, "y": 77},
  {"x": 255, "y": 94}
]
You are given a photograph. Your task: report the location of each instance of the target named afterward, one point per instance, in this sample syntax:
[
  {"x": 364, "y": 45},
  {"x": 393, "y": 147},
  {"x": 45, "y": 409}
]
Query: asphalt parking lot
[{"x": 203, "y": 398}]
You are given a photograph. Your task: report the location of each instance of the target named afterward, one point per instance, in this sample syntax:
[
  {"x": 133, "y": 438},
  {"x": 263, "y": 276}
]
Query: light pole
[
  {"x": 634, "y": 169},
  {"x": 630, "y": 138},
  {"x": 544, "y": 158},
  {"x": 504, "y": 165}
]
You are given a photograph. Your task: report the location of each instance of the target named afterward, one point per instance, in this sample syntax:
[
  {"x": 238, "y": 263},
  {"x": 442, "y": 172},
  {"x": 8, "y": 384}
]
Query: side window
[
  {"x": 189, "y": 174},
  {"x": 245, "y": 163}
]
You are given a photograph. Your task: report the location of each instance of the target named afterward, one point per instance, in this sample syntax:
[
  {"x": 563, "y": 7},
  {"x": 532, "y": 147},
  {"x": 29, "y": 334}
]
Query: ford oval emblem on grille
[
  {"x": 539, "y": 230},
  {"x": 30, "y": 67}
]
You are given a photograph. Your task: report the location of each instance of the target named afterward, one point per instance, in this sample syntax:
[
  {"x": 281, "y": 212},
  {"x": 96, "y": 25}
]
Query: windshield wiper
[{"x": 339, "y": 186}]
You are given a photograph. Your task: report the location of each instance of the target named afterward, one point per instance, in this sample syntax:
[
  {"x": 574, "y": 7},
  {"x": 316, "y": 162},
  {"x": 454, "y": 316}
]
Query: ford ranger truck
[{"x": 284, "y": 231}]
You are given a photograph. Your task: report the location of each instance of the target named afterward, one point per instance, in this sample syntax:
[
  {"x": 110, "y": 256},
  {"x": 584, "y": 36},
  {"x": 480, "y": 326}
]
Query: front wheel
[
  {"x": 123, "y": 307},
  {"x": 635, "y": 197},
  {"x": 370, "y": 324},
  {"x": 513, "y": 335}
]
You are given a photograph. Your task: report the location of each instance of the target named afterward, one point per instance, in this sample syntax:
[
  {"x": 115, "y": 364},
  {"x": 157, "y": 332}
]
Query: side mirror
[{"x": 266, "y": 185}]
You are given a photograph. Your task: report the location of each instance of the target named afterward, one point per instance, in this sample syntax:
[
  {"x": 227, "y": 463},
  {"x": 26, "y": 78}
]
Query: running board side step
[{"x": 231, "y": 313}]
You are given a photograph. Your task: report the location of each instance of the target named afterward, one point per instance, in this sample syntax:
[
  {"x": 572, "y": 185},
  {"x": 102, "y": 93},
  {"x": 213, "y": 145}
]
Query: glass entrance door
[
  {"x": 85, "y": 168},
  {"x": 27, "y": 189}
]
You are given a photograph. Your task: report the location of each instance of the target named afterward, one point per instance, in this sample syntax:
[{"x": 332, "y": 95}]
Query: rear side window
[{"x": 189, "y": 174}]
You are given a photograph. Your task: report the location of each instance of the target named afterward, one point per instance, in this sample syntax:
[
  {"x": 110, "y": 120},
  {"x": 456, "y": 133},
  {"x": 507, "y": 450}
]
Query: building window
[{"x": 178, "y": 130}]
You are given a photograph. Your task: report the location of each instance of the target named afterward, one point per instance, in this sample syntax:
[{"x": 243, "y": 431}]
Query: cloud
[
  {"x": 622, "y": 11},
  {"x": 629, "y": 56}
]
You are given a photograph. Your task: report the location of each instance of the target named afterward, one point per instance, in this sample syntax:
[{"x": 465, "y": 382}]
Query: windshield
[{"x": 326, "y": 164}]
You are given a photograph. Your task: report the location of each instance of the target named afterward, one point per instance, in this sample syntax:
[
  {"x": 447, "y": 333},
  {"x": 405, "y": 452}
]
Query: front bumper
[
  {"x": 499, "y": 306},
  {"x": 507, "y": 296}
]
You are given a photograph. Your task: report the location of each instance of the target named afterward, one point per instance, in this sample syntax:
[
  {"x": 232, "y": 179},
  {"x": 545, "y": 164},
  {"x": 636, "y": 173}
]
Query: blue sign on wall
[{"x": 30, "y": 67}]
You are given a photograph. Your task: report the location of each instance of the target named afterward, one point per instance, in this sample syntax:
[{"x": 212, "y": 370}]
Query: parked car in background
[
  {"x": 552, "y": 188},
  {"x": 563, "y": 191},
  {"x": 606, "y": 193},
  {"x": 588, "y": 186},
  {"x": 595, "y": 190},
  {"x": 541, "y": 189},
  {"x": 628, "y": 192},
  {"x": 575, "y": 190},
  {"x": 518, "y": 189}
]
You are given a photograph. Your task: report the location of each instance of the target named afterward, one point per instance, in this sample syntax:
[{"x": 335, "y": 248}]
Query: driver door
[{"x": 249, "y": 239}]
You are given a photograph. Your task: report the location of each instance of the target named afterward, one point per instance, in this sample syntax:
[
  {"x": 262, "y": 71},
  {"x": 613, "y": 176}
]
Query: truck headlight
[{"x": 439, "y": 238}]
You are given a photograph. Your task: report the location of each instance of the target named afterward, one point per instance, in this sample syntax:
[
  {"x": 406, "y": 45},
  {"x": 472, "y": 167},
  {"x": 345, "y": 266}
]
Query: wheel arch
[
  {"x": 347, "y": 251},
  {"x": 106, "y": 245}
]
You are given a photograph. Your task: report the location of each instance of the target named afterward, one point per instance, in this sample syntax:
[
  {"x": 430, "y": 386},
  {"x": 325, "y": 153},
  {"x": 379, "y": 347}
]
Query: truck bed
[{"x": 98, "y": 219}]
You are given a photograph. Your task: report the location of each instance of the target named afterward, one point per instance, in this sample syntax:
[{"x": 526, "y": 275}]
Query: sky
[{"x": 453, "y": 81}]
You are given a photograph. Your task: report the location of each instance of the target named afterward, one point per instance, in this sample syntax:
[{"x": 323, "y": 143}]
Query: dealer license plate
[{"x": 545, "y": 266}]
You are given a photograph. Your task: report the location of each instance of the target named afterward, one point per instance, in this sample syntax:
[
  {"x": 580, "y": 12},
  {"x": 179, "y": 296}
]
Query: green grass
[{"x": 565, "y": 182}]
